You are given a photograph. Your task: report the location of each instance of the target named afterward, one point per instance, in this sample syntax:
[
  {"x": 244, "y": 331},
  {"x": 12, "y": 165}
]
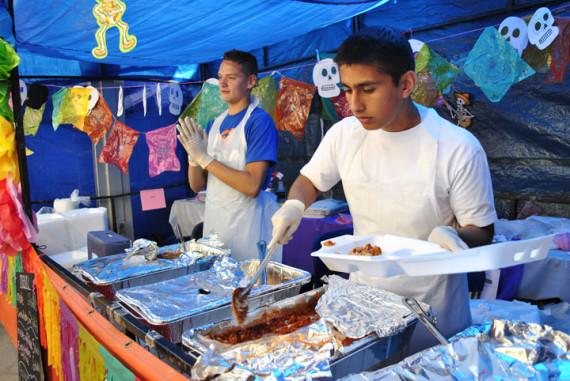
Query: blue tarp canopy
[{"x": 170, "y": 32}]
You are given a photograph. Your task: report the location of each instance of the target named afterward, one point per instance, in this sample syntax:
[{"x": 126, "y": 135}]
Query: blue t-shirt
[{"x": 260, "y": 135}]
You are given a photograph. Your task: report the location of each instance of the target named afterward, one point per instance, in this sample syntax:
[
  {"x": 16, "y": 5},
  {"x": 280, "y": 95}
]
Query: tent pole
[{"x": 18, "y": 119}]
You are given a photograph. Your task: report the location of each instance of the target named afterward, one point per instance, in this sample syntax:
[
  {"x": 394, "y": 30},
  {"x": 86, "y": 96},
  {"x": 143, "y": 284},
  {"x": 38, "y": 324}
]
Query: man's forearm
[
  {"x": 475, "y": 236},
  {"x": 248, "y": 182},
  {"x": 303, "y": 190},
  {"x": 196, "y": 178}
]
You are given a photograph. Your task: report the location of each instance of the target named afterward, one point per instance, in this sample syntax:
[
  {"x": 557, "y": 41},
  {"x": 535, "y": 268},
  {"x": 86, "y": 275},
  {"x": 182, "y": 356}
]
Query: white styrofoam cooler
[{"x": 412, "y": 257}]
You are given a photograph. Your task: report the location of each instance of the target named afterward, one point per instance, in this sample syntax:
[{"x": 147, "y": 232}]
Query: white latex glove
[
  {"x": 286, "y": 220},
  {"x": 447, "y": 237},
  {"x": 194, "y": 140}
]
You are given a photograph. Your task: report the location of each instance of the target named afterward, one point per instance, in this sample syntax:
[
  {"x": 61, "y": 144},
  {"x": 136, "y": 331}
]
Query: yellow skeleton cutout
[{"x": 109, "y": 13}]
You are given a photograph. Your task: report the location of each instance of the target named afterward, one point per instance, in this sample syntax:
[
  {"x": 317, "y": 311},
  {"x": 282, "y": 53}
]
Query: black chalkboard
[{"x": 29, "y": 351}]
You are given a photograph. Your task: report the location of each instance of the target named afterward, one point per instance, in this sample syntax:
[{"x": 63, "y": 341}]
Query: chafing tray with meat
[
  {"x": 172, "y": 306},
  {"x": 316, "y": 334}
]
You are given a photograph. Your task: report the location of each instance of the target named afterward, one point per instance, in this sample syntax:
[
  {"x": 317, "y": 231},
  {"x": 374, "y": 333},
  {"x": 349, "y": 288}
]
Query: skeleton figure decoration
[
  {"x": 514, "y": 30},
  {"x": 23, "y": 92},
  {"x": 326, "y": 77},
  {"x": 462, "y": 114},
  {"x": 541, "y": 29},
  {"x": 175, "y": 98},
  {"x": 109, "y": 13}
]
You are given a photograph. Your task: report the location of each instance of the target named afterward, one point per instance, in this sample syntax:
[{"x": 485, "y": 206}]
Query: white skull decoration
[
  {"x": 541, "y": 31},
  {"x": 23, "y": 92},
  {"x": 175, "y": 99},
  {"x": 514, "y": 30},
  {"x": 93, "y": 98},
  {"x": 326, "y": 77}
]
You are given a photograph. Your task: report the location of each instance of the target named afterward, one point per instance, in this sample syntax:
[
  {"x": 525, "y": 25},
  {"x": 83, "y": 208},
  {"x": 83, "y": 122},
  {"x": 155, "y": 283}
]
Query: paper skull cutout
[
  {"x": 326, "y": 77},
  {"x": 514, "y": 30},
  {"x": 23, "y": 92},
  {"x": 93, "y": 98},
  {"x": 541, "y": 31},
  {"x": 175, "y": 98}
]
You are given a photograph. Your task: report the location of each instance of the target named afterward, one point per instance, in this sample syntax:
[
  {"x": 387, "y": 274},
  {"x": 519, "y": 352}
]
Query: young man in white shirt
[{"x": 405, "y": 171}]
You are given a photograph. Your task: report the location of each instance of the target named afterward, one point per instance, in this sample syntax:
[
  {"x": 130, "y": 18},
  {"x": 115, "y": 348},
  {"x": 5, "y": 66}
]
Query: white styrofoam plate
[
  {"x": 394, "y": 248},
  {"x": 406, "y": 256},
  {"x": 482, "y": 258}
]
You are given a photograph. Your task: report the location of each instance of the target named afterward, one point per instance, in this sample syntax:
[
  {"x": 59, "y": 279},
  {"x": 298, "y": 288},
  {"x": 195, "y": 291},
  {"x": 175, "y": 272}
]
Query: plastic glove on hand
[
  {"x": 447, "y": 237},
  {"x": 194, "y": 140},
  {"x": 286, "y": 221}
]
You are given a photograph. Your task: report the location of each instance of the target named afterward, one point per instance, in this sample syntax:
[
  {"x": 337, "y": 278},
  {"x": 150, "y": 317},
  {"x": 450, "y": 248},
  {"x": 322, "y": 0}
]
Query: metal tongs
[
  {"x": 416, "y": 309},
  {"x": 181, "y": 238},
  {"x": 240, "y": 294}
]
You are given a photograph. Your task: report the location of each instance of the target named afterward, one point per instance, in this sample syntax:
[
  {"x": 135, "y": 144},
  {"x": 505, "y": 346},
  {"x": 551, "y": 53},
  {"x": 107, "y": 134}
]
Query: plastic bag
[
  {"x": 8, "y": 157},
  {"x": 207, "y": 105},
  {"x": 32, "y": 120},
  {"x": 119, "y": 147},
  {"x": 560, "y": 52},
  {"x": 266, "y": 92},
  {"x": 162, "y": 150},
  {"x": 426, "y": 91},
  {"x": 5, "y": 110},
  {"x": 441, "y": 71},
  {"x": 98, "y": 122},
  {"x": 293, "y": 106},
  {"x": 494, "y": 65},
  {"x": 8, "y": 59}
]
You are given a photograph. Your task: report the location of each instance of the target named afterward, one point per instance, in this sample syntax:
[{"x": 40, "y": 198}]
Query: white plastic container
[
  {"x": 483, "y": 258},
  {"x": 406, "y": 256},
  {"x": 394, "y": 249}
]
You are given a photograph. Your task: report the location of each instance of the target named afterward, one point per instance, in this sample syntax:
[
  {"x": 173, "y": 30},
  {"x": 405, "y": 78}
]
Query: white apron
[
  {"x": 240, "y": 220},
  {"x": 383, "y": 206}
]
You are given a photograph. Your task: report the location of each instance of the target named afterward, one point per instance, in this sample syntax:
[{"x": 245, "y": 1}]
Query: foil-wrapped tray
[
  {"x": 173, "y": 306},
  {"x": 501, "y": 350},
  {"x": 218, "y": 348},
  {"x": 115, "y": 272}
]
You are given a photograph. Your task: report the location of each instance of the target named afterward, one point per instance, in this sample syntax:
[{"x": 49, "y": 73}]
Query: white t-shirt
[{"x": 463, "y": 185}]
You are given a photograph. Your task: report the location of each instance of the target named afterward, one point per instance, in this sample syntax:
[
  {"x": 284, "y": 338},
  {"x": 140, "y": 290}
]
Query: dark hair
[
  {"x": 247, "y": 61},
  {"x": 383, "y": 47}
]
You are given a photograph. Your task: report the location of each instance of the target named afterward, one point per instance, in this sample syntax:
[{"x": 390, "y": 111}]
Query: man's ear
[
  {"x": 408, "y": 83},
  {"x": 251, "y": 81}
]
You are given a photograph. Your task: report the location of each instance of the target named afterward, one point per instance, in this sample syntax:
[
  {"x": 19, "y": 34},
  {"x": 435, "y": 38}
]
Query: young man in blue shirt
[{"x": 234, "y": 159}]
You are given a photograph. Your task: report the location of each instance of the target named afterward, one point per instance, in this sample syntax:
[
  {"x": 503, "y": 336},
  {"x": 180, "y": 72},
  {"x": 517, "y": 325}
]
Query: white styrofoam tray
[
  {"x": 406, "y": 256},
  {"x": 482, "y": 258},
  {"x": 394, "y": 248}
]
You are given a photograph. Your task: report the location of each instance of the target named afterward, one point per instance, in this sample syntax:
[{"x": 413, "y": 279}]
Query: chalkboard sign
[{"x": 29, "y": 351}]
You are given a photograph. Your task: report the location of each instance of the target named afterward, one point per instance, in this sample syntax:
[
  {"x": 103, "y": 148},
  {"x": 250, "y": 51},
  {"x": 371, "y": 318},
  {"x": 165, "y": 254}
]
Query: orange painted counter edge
[
  {"x": 8, "y": 319},
  {"x": 141, "y": 362}
]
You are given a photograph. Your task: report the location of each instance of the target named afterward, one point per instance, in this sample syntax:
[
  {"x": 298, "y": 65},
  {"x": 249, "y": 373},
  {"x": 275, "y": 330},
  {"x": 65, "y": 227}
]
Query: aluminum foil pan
[
  {"x": 298, "y": 355},
  {"x": 118, "y": 267},
  {"x": 179, "y": 298},
  {"x": 357, "y": 310},
  {"x": 256, "y": 357},
  {"x": 501, "y": 350}
]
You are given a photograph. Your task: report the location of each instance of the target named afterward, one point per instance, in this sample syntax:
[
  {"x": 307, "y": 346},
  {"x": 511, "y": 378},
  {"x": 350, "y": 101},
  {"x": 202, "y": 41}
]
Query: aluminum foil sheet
[
  {"x": 300, "y": 355},
  {"x": 357, "y": 310},
  {"x": 148, "y": 249},
  {"x": 175, "y": 299},
  {"x": 501, "y": 350},
  {"x": 118, "y": 267}
]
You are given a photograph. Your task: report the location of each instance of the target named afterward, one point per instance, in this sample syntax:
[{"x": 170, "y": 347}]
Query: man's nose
[{"x": 355, "y": 102}]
